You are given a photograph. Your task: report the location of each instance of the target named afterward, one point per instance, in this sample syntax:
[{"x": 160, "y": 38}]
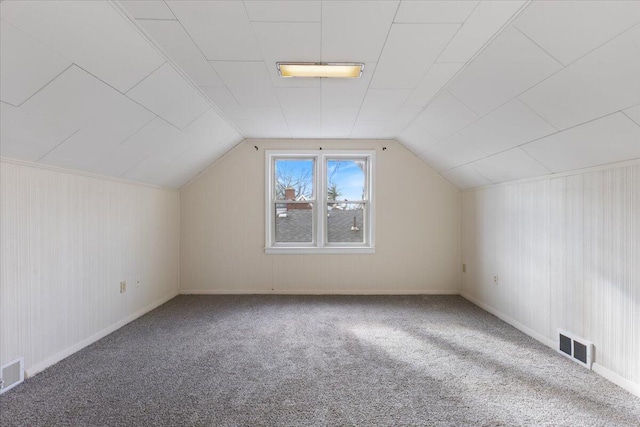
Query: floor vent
[
  {"x": 575, "y": 348},
  {"x": 11, "y": 374}
]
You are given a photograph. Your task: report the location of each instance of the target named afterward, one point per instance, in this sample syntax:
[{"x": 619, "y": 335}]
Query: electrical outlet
[
  {"x": 123, "y": 286},
  {"x": 464, "y": 268},
  {"x": 495, "y": 280}
]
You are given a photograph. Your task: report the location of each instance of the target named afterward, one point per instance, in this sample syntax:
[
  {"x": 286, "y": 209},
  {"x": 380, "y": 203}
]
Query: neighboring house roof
[{"x": 297, "y": 226}]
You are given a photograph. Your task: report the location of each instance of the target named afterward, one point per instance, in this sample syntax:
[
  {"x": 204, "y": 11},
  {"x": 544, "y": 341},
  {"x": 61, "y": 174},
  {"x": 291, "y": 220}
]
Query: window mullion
[{"x": 322, "y": 195}]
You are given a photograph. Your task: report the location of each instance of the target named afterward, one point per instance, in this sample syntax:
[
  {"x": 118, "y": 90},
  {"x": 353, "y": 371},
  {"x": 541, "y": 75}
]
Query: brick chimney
[{"x": 290, "y": 194}]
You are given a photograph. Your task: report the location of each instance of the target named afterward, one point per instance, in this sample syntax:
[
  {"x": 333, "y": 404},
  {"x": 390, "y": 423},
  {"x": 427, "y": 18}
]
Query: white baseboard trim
[
  {"x": 618, "y": 380},
  {"x": 630, "y": 386},
  {"x": 533, "y": 334},
  {"x": 39, "y": 367},
  {"x": 318, "y": 292}
]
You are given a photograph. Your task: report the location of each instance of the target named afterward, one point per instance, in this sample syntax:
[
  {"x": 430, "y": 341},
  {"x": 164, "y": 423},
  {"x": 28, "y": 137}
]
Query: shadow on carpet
[{"x": 318, "y": 360}]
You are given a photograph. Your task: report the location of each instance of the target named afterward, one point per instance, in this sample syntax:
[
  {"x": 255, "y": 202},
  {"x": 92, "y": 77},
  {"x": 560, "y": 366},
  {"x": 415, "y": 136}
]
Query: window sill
[{"x": 325, "y": 250}]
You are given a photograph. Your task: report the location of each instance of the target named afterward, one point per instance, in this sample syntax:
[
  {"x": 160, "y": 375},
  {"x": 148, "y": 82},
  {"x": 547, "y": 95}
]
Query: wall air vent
[
  {"x": 575, "y": 348},
  {"x": 11, "y": 374}
]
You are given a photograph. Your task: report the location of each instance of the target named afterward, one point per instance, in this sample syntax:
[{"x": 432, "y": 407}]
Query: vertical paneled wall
[
  {"x": 66, "y": 242},
  {"x": 223, "y": 227},
  {"x": 566, "y": 251}
]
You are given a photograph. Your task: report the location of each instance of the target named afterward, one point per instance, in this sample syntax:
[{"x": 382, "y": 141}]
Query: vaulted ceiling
[{"x": 483, "y": 91}]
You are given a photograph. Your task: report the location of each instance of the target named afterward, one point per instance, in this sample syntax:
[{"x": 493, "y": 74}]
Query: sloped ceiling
[{"x": 483, "y": 91}]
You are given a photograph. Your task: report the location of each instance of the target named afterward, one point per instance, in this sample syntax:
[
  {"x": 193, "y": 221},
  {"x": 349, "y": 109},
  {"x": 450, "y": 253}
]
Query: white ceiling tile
[
  {"x": 409, "y": 52},
  {"x": 452, "y": 152},
  {"x": 176, "y": 43},
  {"x": 208, "y": 129},
  {"x": 407, "y": 114},
  {"x": 339, "y": 118},
  {"x": 246, "y": 126},
  {"x": 27, "y": 136},
  {"x": 509, "y": 165},
  {"x": 84, "y": 102},
  {"x": 435, "y": 12},
  {"x": 633, "y": 113},
  {"x": 225, "y": 101},
  {"x": 335, "y": 133},
  {"x": 465, "y": 177},
  {"x": 268, "y": 133},
  {"x": 158, "y": 138},
  {"x": 176, "y": 172},
  {"x": 26, "y": 65},
  {"x": 483, "y": 23},
  {"x": 508, "y": 67},
  {"x": 511, "y": 125},
  {"x": 92, "y": 34},
  {"x": 347, "y": 92},
  {"x": 390, "y": 127},
  {"x": 305, "y": 128},
  {"x": 355, "y": 31},
  {"x": 117, "y": 162},
  {"x": 382, "y": 104},
  {"x": 445, "y": 116},
  {"x": 267, "y": 118},
  {"x": 570, "y": 29},
  {"x": 86, "y": 150},
  {"x": 283, "y": 11},
  {"x": 435, "y": 79},
  {"x": 146, "y": 9},
  {"x": 168, "y": 95},
  {"x": 416, "y": 139},
  {"x": 300, "y": 104},
  {"x": 289, "y": 42},
  {"x": 249, "y": 82},
  {"x": 153, "y": 171},
  {"x": 610, "y": 139},
  {"x": 194, "y": 161},
  {"x": 221, "y": 29},
  {"x": 378, "y": 129},
  {"x": 600, "y": 83}
]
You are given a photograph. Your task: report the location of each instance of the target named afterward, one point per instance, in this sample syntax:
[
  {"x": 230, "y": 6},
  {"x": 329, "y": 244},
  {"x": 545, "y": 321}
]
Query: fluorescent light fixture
[{"x": 326, "y": 70}]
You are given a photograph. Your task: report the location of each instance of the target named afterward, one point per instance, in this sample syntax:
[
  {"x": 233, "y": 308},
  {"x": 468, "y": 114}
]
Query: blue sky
[
  {"x": 346, "y": 174},
  {"x": 348, "y": 177}
]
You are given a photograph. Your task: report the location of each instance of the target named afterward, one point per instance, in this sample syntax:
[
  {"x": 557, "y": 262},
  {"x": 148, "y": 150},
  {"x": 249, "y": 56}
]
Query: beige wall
[
  {"x": 417, "y": 223},
  {"x": 66, "y": 242},
  {"x": 567, "y": 254}
]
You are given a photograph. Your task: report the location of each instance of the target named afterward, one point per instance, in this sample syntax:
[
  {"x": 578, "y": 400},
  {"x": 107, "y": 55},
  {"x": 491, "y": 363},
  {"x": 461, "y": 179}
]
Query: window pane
[
  {"x": 293, "y": 179},
  {"x": 345, "y": 223},
  {"x": 294, "y": 222},
  {"x": 346, "y": 179}
]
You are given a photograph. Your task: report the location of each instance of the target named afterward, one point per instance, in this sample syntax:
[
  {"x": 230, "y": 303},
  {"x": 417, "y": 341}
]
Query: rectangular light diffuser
[{"x": 328, "y": 70}]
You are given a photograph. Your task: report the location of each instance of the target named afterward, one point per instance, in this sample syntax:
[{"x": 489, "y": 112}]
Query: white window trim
[{"x": 320, "y": 192}]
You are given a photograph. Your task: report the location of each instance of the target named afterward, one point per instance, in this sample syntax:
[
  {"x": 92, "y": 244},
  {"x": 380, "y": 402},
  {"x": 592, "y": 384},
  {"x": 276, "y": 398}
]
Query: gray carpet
[{"x": 314, "y": 360}]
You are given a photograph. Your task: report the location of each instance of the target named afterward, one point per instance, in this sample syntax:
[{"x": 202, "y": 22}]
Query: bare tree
[{"x": 288, "y": 177}]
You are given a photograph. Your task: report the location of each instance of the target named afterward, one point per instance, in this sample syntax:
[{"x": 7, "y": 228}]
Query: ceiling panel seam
[
  {"x": 264, "y": 61},
  {"x": 535, "y": 139},
  {"x": 377, "y": 63},
  {"x": 143, "y": 79},
  {"x": 576, "y": 60},
  {"x": 57, "y": 145},
  {"x": 540, "y": 47},
  {"x": 46, "y": 84},
  {"x": 123, "y": 94},
  {"x": 473, "y": 58},
  {"x": 171, "y": 62}
]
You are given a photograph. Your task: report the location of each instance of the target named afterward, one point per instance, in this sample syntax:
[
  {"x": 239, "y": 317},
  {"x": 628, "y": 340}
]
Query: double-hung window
[{"x": 319, "y": 201}]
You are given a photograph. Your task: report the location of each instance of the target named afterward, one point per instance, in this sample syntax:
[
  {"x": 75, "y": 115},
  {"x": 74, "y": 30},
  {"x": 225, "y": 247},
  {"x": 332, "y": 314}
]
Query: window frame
[{"x": 319, "y": 243}]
